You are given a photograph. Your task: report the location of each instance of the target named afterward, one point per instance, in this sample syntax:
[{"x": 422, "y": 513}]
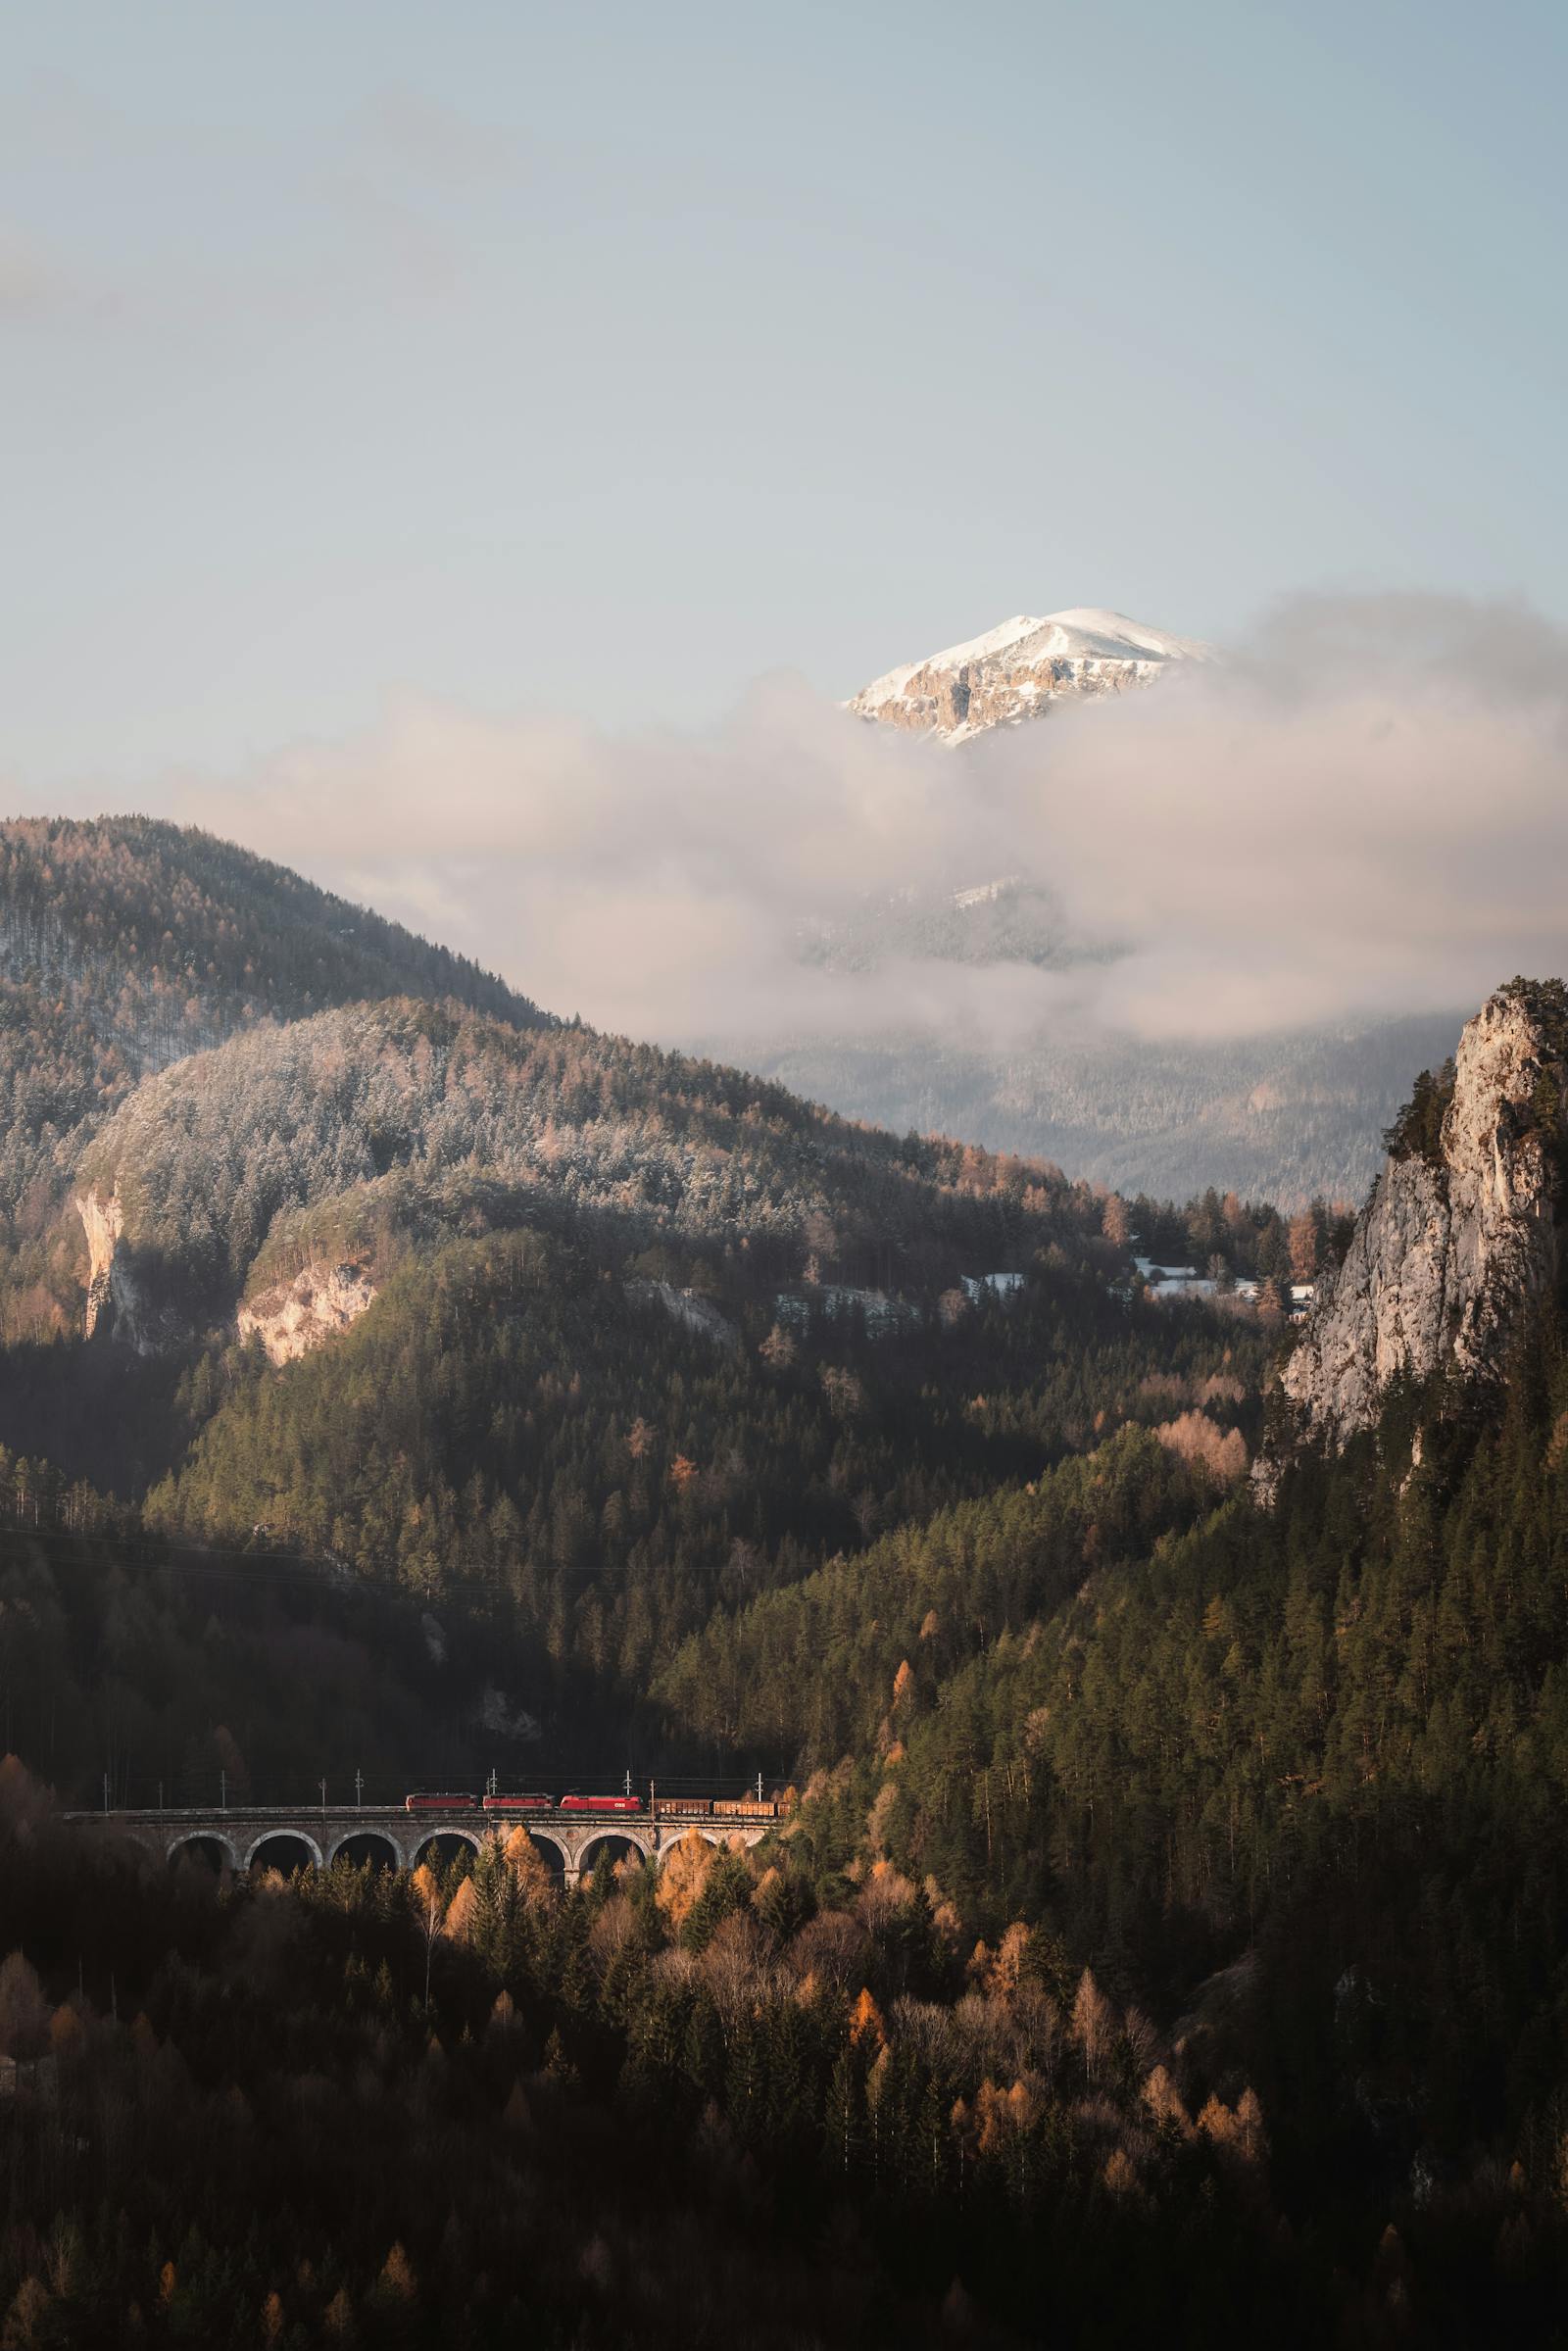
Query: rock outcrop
[
  {"x": 689, "y": 1307},
  {"x": 103, "y": 1221},
  {"x": 1459, "y": 1237},
  {"x": 118, "y": 1304},
  {"x": 1019, "y": 671},
  {"x": 290, "y": 1318},
  {"x": 317, "y": 1304}
]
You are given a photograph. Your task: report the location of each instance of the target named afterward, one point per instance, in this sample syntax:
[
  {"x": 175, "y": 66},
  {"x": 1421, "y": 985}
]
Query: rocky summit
[
  {"x": 1459, "y": 1237},
  {"x": 1021, "y": 670}
]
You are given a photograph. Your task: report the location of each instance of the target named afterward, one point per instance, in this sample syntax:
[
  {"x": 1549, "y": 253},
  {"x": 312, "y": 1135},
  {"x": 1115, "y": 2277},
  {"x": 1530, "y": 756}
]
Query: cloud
[{"x": 1361, "y": 811}]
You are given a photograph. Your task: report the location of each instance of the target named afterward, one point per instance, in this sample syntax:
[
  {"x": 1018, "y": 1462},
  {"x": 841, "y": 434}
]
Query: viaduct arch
[
  {"x": 283, "y": 1837},
  {"x": 239, "y": 1837}
]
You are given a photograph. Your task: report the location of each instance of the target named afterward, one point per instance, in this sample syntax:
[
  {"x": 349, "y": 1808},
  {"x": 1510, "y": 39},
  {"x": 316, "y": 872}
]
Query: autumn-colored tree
[
  {"x": 528, "y": 1866},
  {"x": 427, "y": 1911},
  {"x": 1222, "y": 1452},
  {"x": 684, "y": 1875},
  {"x": 338, "y": 2317},
  {"x": 1115, "y": 1223},
  {"x": 639, "y": 1439},
  {"x": 397, "y": 2275},
  {"x": 866, "y": 2028},
  {"x": 1094, "y": 2024},
  {"x": 30, "y": 2323},
  {"x": 460, "y": 1921},
  {"x": 1164, "y": 2102},
  {"x": 880, "y": 1815},
  {"x": 1006, "y": 1972},
  {"x": 843, "y": 1390},
  {"x": 1303, "y": 1237},
  {"x": 23, "y": 2010}
]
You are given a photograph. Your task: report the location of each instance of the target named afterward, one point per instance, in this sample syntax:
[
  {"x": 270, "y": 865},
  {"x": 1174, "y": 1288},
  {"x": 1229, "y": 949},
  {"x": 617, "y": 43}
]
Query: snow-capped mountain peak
[{"x": 1019, "y": 668}]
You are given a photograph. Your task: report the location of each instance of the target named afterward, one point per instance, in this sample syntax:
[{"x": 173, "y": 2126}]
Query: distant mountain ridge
[
  {"x": 1020, "y": 669},
  {"x": 1274, "y": 1117}
]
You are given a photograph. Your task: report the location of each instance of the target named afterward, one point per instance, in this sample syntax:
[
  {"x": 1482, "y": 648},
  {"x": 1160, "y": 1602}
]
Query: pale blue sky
[{"x": 595, "y": 359}]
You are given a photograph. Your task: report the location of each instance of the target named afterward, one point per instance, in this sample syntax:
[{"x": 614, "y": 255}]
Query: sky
[
  {"x": 470, "y": 454},
  {"x": 588, "y": 364}
]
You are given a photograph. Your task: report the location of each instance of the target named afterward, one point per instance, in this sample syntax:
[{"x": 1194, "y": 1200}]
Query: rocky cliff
[
  {"x": 1019, "y": 671},
  {"x": 118, "y": 1304},
  {"x": 1460, "y": 1236},
  {"x": 316, "y": 1304},
  {"x": 289, "y": 1317}
]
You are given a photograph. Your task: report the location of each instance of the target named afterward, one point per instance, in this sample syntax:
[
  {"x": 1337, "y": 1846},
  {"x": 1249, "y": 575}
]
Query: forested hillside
[
  {"x": 1167, "y": 1910},
  {"x": 205, "y": 1157},
  {"x": 126, "y": 943},
  {"x": 1175, "y": 1938}
]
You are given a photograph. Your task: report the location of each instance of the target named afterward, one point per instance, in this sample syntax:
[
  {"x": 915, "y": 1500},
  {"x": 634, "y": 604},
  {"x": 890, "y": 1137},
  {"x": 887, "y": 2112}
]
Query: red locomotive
[
  {"x": 600, "y": 1803},
  {"x": 495, "y": 1803},
  {"x": 439, "y": 1803}
]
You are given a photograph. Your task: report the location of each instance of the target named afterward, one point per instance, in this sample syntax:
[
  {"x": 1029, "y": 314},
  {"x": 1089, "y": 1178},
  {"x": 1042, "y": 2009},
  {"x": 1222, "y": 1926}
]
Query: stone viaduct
[{"x": 242, "y": 1836}]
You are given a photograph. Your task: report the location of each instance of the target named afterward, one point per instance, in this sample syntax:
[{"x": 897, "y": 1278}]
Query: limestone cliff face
[
  {"x": 317, "y": 1304},
  {"x": 118, "y": 1304},
  {"x": 290, "y": 1318},
  {"x": 1453, "y": 1246},
  {"x": 103, "y": 1221}
]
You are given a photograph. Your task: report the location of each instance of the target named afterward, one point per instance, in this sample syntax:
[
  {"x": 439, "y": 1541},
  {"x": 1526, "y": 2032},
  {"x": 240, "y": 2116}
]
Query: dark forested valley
[{"x": 1160, "y": 1933}]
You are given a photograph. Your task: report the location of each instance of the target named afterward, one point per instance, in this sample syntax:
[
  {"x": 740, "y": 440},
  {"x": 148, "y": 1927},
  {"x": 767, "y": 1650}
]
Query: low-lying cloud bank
[{"x": 1362, "y": 811}]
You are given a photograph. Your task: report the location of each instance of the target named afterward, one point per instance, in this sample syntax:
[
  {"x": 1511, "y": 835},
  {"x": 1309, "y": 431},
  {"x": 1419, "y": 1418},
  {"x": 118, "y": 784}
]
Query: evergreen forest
[{"x": 1161, "y": 1930}]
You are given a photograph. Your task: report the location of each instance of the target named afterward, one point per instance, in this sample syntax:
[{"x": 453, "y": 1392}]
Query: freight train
[{"x": 692, "y": 1808}]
